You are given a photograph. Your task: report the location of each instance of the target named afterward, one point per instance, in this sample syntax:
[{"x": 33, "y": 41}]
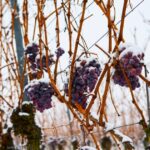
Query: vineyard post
[
  {"x": 147, "y": 94},
  {"x": 18, "y": 36},
  {"x": 19, "y": 44}
]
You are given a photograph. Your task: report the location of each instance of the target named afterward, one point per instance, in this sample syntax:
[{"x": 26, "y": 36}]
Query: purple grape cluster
[
  {"x": 132, "y": 66},
  {"x": 40, "y": 93},
  {"x": 50, "y": 61},
  {"x": 32, "y": 49},
  {"x": 32, "y": 52},
  {"x": 59, "y": 52},
  {"x": 84, "y": 80}
]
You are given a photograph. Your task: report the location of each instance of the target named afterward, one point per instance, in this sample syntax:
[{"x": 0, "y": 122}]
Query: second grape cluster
[
  {"x": 84, "y": 80},
  {"x": 130, "y": 65}
]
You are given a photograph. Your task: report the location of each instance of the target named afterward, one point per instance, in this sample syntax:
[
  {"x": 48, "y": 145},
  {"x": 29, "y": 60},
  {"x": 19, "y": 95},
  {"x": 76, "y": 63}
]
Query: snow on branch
[
  {"x": 120, "y": 136},
  {"x": 87, "y": 148}
]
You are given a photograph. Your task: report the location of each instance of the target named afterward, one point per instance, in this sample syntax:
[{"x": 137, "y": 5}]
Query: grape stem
[
  {"x": 104, "y": 97},
  {"x": 97, "y": 89},
  {"x": 133, "y": 98},
  {"x": 75, "y": 50},
  {"x": 103, "y": 51}
]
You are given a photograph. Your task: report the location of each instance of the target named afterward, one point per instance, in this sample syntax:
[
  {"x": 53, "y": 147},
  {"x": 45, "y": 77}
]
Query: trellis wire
[{"x": 116, "y": 24}]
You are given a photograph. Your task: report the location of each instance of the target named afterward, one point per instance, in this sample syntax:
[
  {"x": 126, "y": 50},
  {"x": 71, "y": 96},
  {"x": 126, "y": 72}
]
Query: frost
[{"x": 23, "y": 114}]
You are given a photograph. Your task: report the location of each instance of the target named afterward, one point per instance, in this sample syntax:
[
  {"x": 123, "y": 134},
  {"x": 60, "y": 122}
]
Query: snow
[
  {"x": 124, "y": 137},
  {"x": 30, "y": 44},
  {"x": 2, "y": 108},
  {"x": 27, "y": 102},
  {"x": 43, "y": 54},
  {"x": 23, "y": 114},
  {"x": 5, "y": 131},
  {"x": 87, "y": 59},
  {"x": 94, "y": 115},
  {"x": 128, "y": 47},
  {"x": 51, "y": 139},
  {"x": 113, "y": 56},
  {"x": 112, "y": 71},
  {"x": 112, "y": 14},
  {"x": 91, "y": 68},
  {"x": 45, "y": 80},
  {"x": 89, "y": 40},
  {"x": 31, "y": 71},
  {"x": 90, "y": 122},
  {"x": 36, "y": 81},
  {"x": 87, "y": 148},
  {"x": 108, "y": 127},
  {"x": 74, "y": 139}
]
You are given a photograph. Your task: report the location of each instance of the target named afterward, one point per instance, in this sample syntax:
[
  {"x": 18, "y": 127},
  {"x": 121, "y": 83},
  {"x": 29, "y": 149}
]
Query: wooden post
[{"x": 147, "y": 94}]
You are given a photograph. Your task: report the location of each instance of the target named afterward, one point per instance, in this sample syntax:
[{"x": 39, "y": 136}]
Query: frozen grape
[
  {"x": 32, "y": 53},
  {"x": 40, "y": 93},
  {"x": 33, "y": 48},
  {"x": 132, "y": 65},
  {"x": 59, "y": 52},
  {"x": 84, "y": 80},
  {"x": 50, "y": 61}
]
